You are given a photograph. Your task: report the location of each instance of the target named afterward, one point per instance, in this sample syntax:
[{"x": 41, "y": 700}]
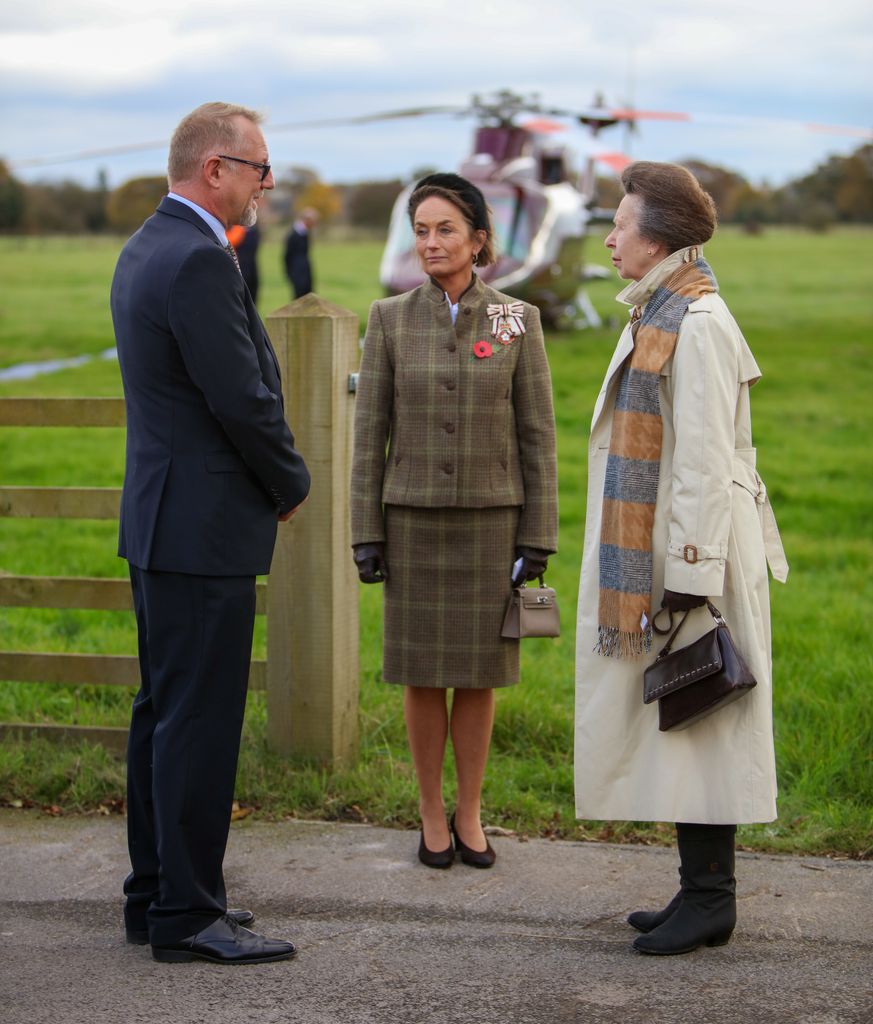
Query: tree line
[{"x": 838, "y": 191}]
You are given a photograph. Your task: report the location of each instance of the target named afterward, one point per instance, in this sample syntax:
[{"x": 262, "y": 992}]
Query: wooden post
[{"x": 312, "y": 597}]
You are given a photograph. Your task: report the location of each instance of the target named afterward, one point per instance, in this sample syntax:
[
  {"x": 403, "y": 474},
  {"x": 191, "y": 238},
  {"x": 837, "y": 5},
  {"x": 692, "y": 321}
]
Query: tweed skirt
[{"x": 446, "y": 596}]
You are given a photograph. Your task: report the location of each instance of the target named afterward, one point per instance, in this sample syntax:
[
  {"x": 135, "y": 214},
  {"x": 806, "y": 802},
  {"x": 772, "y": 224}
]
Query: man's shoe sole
[{"x": 183, "y": 956}]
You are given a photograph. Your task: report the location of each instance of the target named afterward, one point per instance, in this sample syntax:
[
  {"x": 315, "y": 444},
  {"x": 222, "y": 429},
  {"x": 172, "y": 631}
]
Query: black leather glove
[
  {"x": 533, "y": 565},
  {"x": 681, "y": 602},
  {"x": 370, "y": 560}
]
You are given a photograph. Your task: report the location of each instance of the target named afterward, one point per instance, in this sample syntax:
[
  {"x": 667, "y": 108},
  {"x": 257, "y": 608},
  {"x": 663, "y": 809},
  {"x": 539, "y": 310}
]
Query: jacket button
[
  {"x": 449, "y": 428},
  {"x": 503, "y": 463},
  {"x": 448, "y": 468},
  {"x": 451, "y": 347},
  {"x": 450, "y": 385}
]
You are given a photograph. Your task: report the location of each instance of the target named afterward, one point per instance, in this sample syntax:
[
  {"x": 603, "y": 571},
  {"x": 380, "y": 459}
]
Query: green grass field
[{"x": 804, "y": 303}]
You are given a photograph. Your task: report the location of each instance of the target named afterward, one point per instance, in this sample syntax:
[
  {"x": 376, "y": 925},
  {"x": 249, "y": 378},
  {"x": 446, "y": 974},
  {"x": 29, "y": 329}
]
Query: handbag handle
[
  {"x": 522, "y": 586},
  {"x": 665, "y": 650}
]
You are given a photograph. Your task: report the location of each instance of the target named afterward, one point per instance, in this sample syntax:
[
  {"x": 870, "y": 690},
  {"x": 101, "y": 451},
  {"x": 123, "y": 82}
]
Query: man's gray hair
[{"x": 209, "y": 129}]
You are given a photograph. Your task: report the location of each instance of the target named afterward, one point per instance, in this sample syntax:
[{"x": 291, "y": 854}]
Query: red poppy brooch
[{"x": 507, "y": 324}]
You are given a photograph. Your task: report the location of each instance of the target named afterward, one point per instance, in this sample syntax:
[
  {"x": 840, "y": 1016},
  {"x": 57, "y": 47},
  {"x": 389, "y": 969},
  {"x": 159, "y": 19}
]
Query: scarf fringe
[{"x": 613, "y": 643}]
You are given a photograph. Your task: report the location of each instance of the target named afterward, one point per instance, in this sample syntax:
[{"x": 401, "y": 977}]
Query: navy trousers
[{"x": 195, "y": 643}]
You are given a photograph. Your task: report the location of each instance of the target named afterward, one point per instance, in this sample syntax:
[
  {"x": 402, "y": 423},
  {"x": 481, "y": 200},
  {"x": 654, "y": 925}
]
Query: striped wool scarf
[{"x": 631, "y": 486}]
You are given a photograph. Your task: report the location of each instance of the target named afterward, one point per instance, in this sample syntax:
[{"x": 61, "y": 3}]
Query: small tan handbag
[{"x": 531, "y": 611}]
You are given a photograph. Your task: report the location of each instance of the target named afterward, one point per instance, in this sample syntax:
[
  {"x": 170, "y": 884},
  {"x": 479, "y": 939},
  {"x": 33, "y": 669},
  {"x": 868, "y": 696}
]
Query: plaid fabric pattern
[
  {"x": 633, "y": 464},
  {"x": 460, "y": 431},
  {"x": 446, "y": 596}
]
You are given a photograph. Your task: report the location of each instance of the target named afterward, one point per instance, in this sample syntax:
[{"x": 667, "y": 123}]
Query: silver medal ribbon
[{"x": 506, "y": 320}]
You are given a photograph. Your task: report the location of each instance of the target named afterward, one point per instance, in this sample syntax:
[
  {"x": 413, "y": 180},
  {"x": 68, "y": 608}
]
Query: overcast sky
[{"x": 86, "y": 74}]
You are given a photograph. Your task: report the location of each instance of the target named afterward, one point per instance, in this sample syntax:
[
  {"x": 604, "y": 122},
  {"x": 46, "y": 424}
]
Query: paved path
[{"x": 539, "y": 939}]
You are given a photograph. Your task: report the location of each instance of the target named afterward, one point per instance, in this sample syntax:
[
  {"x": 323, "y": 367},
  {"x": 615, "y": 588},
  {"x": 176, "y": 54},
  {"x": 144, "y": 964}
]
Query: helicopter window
[
  {"x": 552, "y": 170},
  {"x": 512, "y": 225}
]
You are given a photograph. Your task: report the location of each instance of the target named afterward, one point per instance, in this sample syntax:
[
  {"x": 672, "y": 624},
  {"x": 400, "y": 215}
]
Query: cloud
[{"x": 88, "y": 73}]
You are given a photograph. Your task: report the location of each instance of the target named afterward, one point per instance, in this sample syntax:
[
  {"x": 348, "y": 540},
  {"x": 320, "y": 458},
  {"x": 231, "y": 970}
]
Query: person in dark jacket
[
  {"x": 298, "y": 268},
  {"x": 211, "y": 468}
]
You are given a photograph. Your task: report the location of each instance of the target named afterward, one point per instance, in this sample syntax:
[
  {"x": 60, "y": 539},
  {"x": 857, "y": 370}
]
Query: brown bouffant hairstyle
[
  {"x": 675, "y": 210},
  {"x": 211, "y": 128},
  {"x": 467, "y": 198}
]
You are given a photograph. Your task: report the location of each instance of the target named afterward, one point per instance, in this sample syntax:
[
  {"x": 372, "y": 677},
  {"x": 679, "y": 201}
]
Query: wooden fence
[{"x": 311, "y": 601}]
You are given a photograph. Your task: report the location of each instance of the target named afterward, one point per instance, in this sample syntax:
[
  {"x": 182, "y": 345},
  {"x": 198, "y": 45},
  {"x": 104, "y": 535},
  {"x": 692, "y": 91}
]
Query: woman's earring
[{"x": 475, "y": 258}]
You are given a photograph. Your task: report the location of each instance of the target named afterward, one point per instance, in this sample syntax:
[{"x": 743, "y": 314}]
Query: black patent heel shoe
[
  {"x": 435, "y": 859},
  {"x": 475, "y": 858}
]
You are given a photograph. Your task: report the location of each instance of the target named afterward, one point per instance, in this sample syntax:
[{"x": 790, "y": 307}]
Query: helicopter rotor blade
[
  {"x": 141, "y": 147},
  {"x": 386, "y": 115},
  {"x": 601, "y": 117}
]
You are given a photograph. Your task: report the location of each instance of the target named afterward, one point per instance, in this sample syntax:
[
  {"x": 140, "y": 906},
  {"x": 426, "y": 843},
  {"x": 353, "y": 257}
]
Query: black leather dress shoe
[
  {"x": 225, "y": 942},
  {"x": 475, "y": 858},
  {"x": 140, "y": 936}
]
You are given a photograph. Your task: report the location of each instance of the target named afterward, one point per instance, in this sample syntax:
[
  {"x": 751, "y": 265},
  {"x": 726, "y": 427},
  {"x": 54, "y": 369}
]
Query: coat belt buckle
[{"x": 689, "y": 553}]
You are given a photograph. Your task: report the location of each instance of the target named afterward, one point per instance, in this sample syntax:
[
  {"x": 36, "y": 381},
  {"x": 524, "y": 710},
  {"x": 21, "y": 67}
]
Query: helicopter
[{"x": 541, "y": 206}]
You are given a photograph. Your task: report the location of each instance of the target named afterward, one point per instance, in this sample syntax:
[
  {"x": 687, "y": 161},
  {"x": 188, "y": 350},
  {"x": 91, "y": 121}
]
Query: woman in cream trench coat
[{"x": 713, "y": 535}]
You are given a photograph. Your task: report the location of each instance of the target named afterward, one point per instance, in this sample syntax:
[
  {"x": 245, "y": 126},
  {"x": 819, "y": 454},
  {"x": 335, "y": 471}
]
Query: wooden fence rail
[{"x": 311, "y": 670}]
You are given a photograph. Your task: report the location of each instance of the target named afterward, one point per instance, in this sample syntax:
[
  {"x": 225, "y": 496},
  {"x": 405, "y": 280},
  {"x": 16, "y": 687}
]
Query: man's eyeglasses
[{"x": 263, "y": 168}]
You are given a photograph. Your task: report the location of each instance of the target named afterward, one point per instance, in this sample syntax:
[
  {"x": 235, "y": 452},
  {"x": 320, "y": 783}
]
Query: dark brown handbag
[
  {"x": 696, "y": 680},
  {"x": 531, "y": 611}
]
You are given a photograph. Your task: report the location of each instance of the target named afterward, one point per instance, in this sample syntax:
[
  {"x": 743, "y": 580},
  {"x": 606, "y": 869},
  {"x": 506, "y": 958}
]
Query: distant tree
[
  {"x": 370, "y": 203},
  {"x": 64, "y": 207},
  {"x": 854, "y": 194},
  {"x": 752, "y": 207},
  {"x": 12, "y": 200},
  {"x": 840, "y": 189},
  {"x": 131, "y": 203},
  {"x": 290, "y": 182},
  {"x": 321, "y": 197},
  {"x": 723, "y": 185}
]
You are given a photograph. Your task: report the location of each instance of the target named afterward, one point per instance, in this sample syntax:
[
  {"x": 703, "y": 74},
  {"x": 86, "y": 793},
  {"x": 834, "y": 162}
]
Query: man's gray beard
[{"x": 250, "y": 217}]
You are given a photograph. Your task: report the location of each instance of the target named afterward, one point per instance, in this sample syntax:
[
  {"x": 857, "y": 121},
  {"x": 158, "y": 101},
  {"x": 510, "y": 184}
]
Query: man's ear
[{"x": 212, "y": 171}]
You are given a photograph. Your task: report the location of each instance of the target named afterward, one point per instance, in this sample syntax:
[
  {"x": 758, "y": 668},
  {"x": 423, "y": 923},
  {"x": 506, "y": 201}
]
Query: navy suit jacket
[{"x": 211, "y": 461}]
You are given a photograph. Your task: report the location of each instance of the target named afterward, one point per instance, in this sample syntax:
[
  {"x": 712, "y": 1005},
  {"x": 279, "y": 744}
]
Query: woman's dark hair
[
  {"x": 675, "y": 210},
  {"x": 467, "y": 198}
]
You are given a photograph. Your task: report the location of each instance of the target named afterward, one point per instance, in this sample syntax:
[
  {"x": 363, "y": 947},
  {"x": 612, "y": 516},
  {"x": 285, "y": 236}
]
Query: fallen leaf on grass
[{"x": 237, "y": 813}]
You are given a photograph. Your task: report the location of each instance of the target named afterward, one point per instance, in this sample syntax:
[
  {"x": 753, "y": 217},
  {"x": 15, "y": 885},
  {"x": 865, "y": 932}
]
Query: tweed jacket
[{"x": 460, "y": 431}]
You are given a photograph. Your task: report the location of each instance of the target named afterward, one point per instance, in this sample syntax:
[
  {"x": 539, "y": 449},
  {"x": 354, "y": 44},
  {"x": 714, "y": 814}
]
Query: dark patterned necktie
[{"x": 229, "y": 249}]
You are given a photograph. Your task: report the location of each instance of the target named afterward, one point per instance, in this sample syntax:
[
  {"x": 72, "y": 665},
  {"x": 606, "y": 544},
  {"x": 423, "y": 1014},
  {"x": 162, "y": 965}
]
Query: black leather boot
[
  {"x": 648, "y": 920},
  {"x": 707, "y": 912}
]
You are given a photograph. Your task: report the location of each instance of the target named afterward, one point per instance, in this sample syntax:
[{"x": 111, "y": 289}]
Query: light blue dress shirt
[{"x": 213, "y": 222}]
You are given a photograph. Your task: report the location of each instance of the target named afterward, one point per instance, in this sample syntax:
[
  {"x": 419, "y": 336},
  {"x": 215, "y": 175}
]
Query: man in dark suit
[
  {"x": 297, "y": 266},
  {"x": 211, "y": 468}
]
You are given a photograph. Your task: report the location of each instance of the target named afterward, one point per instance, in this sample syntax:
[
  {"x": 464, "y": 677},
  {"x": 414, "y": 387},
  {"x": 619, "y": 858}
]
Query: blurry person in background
[{"x": 298, "y": 267}]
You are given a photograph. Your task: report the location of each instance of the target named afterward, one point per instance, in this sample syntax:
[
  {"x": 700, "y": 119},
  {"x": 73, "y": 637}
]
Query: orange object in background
[{"x": 235, "y": 235}]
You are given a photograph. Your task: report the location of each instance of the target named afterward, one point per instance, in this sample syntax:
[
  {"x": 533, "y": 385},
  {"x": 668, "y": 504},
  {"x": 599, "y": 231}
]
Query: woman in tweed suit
[{"x": 455, "y": 388}]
